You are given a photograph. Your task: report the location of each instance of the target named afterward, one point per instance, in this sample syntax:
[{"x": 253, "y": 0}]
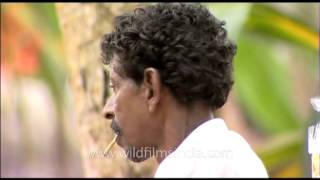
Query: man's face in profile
[{"x": 138, "y": 129}]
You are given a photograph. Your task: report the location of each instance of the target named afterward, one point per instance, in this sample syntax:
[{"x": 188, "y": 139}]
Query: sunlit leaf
[{"x": 266, "y": 20}]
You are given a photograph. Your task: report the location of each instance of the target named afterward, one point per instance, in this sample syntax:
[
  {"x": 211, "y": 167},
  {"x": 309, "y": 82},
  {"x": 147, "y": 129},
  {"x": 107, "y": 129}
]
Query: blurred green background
[{"x": 275, "y": 69}]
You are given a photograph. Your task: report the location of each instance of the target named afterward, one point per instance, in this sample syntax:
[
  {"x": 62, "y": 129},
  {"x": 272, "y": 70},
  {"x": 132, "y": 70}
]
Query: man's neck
[{"x": 178, "y": 124}]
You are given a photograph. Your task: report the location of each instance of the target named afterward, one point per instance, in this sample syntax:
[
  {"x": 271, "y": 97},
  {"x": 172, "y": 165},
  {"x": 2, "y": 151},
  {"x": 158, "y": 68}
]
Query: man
[{"x": 170, "y": 67}]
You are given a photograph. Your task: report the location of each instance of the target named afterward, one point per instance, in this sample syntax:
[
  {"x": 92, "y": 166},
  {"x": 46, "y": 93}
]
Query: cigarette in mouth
[{"x": 112, "y": 143}]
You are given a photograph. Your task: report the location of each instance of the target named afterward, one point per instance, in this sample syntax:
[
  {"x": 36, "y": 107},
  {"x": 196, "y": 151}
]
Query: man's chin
[
  {"x": 137, "y": 160},
  {"x": 137, "y": 155}
]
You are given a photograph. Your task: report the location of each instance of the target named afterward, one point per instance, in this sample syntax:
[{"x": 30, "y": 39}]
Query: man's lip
[
  {"x": 116, "y": 132},
  {"x": 115, "y": 128}
]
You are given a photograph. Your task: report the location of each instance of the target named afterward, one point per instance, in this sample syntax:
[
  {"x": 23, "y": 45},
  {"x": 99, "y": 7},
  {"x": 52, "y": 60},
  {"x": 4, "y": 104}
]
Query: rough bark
[{"x": 82, "y": 25}]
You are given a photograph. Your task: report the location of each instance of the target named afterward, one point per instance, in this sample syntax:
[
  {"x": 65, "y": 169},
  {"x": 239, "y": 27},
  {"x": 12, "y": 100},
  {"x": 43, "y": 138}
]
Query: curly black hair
[{"x": 184, "y": 41}]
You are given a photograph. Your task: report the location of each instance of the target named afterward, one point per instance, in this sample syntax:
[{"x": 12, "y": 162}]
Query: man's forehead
[{"x": 110, "y": 70}]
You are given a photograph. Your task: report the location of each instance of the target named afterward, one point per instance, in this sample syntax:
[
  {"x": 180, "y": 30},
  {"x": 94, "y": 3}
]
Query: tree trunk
[{"x": 82, "y": 25}]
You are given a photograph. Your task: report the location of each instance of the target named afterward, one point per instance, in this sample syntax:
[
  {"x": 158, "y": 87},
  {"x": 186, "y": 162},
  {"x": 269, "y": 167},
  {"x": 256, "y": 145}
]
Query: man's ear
[{"x": 152, "y": 82}]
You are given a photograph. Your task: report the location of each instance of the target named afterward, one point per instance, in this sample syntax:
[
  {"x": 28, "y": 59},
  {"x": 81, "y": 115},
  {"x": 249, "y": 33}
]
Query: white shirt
[{"x": 212, "y": 150}]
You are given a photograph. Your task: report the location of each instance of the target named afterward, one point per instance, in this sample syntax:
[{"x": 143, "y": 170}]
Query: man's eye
[{"x": 112, "y": 87}]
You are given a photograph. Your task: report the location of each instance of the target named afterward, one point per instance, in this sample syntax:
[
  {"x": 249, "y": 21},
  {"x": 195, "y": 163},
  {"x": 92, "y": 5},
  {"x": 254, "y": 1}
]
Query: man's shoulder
[
  {"x": 212, "y": 150},
  {"x": 223, "y": 152}
]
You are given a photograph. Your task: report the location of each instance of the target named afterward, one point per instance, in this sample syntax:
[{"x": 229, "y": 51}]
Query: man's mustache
[{"x": 115, "y": 127}]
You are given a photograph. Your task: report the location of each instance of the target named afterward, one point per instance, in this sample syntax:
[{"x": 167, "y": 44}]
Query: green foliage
[
  {"x": 234, "y": 15},
  {"x": 263, "y": 87},
  {"x": 54, "y": 75},
  {"x": 262, "y": 82}
]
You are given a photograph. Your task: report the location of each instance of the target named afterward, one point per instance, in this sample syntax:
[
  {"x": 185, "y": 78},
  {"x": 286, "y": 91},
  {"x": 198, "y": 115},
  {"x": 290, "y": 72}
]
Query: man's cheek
[{"x": 116, "y": 103}]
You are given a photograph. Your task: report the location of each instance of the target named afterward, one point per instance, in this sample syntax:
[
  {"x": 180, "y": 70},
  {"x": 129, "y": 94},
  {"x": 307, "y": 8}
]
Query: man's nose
[{"x": 108, "y": 109}]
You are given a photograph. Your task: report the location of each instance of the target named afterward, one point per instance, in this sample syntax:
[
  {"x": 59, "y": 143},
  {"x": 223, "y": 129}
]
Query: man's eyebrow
[{"x": 112, "y": 81}]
